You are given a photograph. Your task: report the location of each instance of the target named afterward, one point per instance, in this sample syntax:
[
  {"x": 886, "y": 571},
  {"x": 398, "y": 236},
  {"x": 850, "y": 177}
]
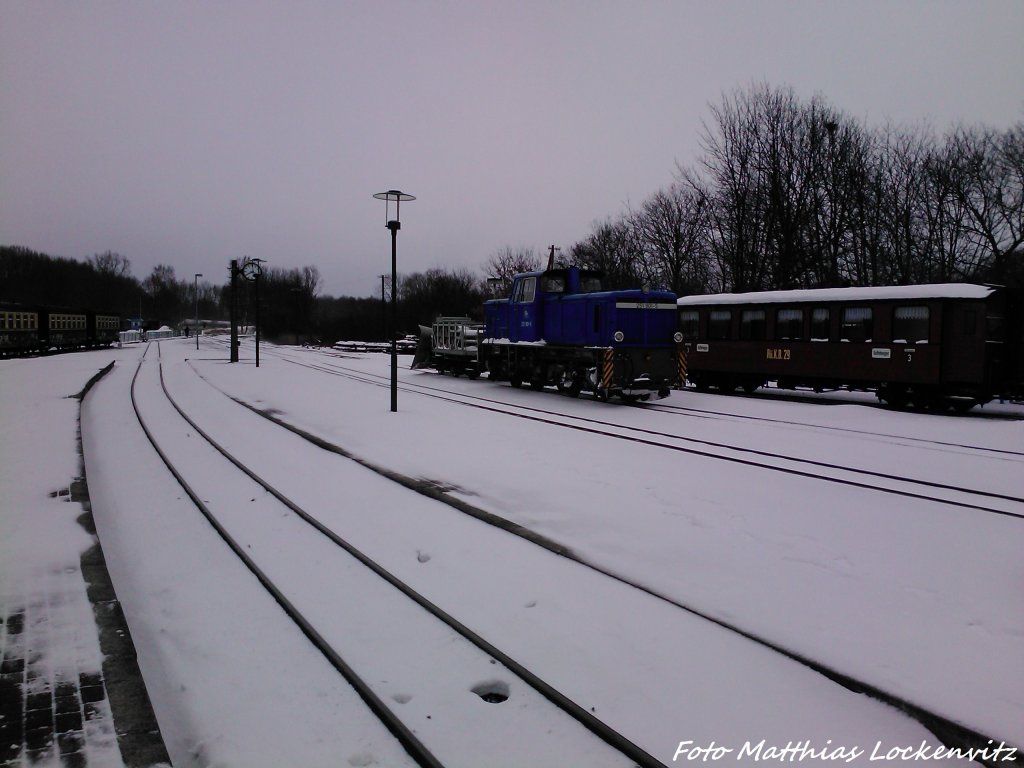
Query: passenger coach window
[
  {"x": 752, "y": 325},
  {"x": 857, "y": 324},
  {"x": 821, "y": 324},
  {"x": 910, "y": 325},
  {"x": 719, "y": 322},
  {"x": 689, "y": 324},
  {"x": 789, "y": 324}
]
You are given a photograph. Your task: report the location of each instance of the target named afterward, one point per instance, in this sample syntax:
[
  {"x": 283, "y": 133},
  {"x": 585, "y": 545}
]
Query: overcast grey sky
[{"x": 190, "y": 133}]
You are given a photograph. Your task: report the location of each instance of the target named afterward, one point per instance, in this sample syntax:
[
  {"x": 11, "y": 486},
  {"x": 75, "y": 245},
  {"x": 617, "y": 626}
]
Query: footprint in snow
[{"x": 423, "y": 557}]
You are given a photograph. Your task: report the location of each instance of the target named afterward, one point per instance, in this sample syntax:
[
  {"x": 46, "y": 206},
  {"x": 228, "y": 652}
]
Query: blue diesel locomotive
[{"x": 559, "y": 328}]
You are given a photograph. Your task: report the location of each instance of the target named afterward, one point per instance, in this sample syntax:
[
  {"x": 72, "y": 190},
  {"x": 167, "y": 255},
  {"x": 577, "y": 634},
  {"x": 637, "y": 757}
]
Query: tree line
[
  {"x": 786, "y": 193},
  {"x": 290, "y": 305},
  {"x": 791, "y": 193}
]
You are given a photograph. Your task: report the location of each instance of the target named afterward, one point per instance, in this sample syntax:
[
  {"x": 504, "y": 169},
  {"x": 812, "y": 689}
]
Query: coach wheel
[
  {"x": 894, "y": 397},
  {"x": 750, "y": 387},
  {"x": 929, "y": 401},
  {"x": 516, "y": 380},
  {"x": 536, "y": 384}
]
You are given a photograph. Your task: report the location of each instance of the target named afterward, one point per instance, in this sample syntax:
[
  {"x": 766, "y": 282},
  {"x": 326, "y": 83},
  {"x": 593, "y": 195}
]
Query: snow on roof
[{"x": 934, "y": 291}]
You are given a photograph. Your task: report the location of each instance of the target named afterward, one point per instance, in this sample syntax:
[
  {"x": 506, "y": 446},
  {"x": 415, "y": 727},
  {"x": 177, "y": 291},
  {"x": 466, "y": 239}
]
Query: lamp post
[
  {"x": 383, "y": 311},
  {"x": 394, "y": 225},
  {"x": 198, "y": 275}
]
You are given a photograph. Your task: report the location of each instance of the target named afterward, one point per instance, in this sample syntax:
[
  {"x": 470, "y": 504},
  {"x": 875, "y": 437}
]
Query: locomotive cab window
[
  {"x": 553, "y": 284},
  {"x": 910, "y": 325},
  {"x": 590, "y": 282},
  {"x": 789, "y": 324},
  {"x": 821, "y": 324},
  {"x": 689, "y": 324},
  {"x": 752, "y": 324},
  {"x": 719, "y": 323},
  {"x": 525, "y": 291},
  {"x": 857, "y": 324}
]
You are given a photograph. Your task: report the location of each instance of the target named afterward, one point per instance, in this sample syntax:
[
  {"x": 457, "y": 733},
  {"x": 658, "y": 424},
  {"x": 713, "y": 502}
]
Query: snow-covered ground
[
  {"x": 48, "y": 641},
  {"x": 918, "y": 598}
]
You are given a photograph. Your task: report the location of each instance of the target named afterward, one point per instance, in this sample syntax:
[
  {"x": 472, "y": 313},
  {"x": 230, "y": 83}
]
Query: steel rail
[
  {"x": 596, "y": 726},
  {"x": 416, "y": 749},
  {"x": 947, "y": 730},
  {"x": 583, "y": 420}
]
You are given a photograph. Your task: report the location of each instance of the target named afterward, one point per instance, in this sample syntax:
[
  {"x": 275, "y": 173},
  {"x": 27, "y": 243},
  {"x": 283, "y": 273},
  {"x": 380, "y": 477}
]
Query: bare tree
[
  {"x": 671, "y": 228},
  {"x": 613, "y": 249},
  {"x": 792, "y": 193},
  {"x": 506, "y": 263},
  {"x": 310, "y": 281},
  {"x": 733, "y": 194},
  {"x": 984, "y": 175},
  {"x": 110, "y": 263}
]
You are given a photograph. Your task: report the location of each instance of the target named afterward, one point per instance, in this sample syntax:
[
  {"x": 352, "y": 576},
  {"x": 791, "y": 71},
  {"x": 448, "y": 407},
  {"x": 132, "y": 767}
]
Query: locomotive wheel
[{"x": 571, "y": 387}]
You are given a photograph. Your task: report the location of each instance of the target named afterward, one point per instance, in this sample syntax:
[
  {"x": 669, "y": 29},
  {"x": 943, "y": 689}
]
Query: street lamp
[
  {"x": 394, "y": 226},
  {"x": 198, "y": 275},
  {"x": 383, "y": 311}
]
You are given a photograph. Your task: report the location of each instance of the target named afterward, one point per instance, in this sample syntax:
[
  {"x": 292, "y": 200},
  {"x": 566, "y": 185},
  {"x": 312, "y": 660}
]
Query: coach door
[{"x": 972, "y": 343}]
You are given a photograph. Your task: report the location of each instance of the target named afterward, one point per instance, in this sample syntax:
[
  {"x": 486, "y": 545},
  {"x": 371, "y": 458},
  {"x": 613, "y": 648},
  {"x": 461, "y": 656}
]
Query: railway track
[
  {"x": 541, "y": 716},
  {"x": 951, "y": 732},
  {"x": 973, "y": 499},
  {"x": 705, "y": 413}
]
